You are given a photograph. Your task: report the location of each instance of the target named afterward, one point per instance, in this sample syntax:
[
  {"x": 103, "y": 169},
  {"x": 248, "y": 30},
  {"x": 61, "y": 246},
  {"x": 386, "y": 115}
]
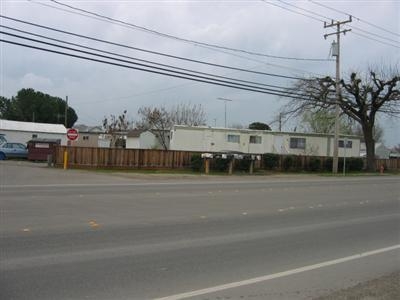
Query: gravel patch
[{"x": 383, "y": 288}]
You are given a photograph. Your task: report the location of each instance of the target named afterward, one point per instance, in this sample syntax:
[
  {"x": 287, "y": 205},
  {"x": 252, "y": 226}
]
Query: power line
[
  {"x": 357, "y": 18},
  {"x": 165, "y": 35},
  {"x": 320, "y": 15},
  {"x": 373, "y": 39},
  {"x": 167, "y": 73},
  {"x": 293, "y": 11},
  {"x": 351, "y": 26},
  {"x": 373, "y": 34},
  {"x": 147, "y": 51},
  {"x": 128, "y": 57}
]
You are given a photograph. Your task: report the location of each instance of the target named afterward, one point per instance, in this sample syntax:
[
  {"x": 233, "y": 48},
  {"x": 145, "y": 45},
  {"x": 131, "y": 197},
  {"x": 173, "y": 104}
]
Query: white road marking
[
  {"x": 244, "y": 213},
  {"x": 311, "y": 207},
  {"x": 276, "y": 275},
  {"x": 217, "y": 182},
  {"x": 281, "y": 209}
]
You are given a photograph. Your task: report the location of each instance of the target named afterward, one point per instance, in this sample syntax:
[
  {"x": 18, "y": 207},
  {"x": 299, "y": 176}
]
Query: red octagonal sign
[{"x": 72, "y": 134}]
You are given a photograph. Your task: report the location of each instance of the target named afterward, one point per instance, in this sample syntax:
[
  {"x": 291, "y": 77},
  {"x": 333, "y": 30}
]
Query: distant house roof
[
  {"x": 135, "y": 132},
  {"x": 32, "y": 127},
  {"x": 89, "y": 129}
]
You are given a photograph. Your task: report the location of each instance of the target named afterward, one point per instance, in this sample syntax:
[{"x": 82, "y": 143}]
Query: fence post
[
  {"x": 230, "y": 169},
  {"x": 207, "y": 165},
  {"x": 251, "y": 167}
]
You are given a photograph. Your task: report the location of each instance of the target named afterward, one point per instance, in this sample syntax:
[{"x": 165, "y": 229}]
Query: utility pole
[
  {"x": 280, "y": 122},
  {"x": 336, "y": 52},
  {"x": 66, "y": 112},
  {"x": 225, "y": 99}
]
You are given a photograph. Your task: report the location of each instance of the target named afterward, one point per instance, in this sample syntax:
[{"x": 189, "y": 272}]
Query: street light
[{"x": 225, "y": 100}]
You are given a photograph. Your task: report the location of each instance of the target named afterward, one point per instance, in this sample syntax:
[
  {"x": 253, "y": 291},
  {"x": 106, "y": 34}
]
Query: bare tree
[
  {"x": 160, "y": 120},
  {"x": 188, "y": 114},
  {"x": 360, "y": 100},
  {"x": 114, "y": 126},
  {"x": 396, "y": 148},
  {"x": 323, "y": 121}
]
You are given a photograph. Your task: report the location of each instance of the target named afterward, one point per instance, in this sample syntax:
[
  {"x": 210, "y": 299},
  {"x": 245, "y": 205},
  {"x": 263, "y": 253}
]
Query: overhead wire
[
  {"x": 320, "y": 15},
  {"x": 376, "y": 40},
  {"x": 170, "y": 36},
  {"x": 357, "y": 18},
  {"x": 347, "y": 25},
  {"x": 154, "y": 70},
  {"x": 129, "y": 57},
  {"x": 148, "y": 51},
  {"x": 293, "y": 11}
]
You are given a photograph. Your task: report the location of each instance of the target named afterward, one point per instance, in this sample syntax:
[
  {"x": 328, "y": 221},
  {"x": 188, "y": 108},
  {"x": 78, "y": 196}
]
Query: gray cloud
[{"x": 96, "y": 90}]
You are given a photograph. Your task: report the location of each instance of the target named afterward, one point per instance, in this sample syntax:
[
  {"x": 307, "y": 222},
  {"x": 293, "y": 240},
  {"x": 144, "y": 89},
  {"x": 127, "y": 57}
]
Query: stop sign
[{"x": 72, "y": 134}]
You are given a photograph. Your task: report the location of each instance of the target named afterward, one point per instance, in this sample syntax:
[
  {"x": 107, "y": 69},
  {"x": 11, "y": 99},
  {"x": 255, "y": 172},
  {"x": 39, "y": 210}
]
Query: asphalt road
[{"x": 83, "y": 235}]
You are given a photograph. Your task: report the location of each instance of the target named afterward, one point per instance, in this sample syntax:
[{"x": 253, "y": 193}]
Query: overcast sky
[{"x": 96, "y": 90}]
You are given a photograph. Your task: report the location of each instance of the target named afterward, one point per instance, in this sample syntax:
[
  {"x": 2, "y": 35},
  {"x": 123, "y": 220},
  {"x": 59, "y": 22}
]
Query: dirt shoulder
[{"x": 383, "y": 288}]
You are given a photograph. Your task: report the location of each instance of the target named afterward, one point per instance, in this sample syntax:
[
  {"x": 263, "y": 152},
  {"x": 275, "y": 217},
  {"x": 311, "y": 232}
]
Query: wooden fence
[
  {"x": 392, "y": 164},
  {"x": 85, "y": 157}
]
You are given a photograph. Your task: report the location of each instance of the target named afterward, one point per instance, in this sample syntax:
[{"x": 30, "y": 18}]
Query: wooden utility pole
[
  {"x": 66, "y": 112},
  {"x": 336, "y": 52}
]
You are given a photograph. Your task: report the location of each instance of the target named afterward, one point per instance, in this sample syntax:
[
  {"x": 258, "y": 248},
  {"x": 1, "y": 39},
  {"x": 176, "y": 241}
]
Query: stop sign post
[{"x": 72, "y": 135}]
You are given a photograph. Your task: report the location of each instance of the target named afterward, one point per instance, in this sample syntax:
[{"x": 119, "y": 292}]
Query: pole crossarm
[
  {"x": 335, "y": 33},
  {"x": 333, "y": 23}
]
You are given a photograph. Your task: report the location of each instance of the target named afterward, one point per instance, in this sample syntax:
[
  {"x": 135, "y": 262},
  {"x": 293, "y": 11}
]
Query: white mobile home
[
  {"x": 208, "y": 139},
  {"x": 23, "y": 132}
]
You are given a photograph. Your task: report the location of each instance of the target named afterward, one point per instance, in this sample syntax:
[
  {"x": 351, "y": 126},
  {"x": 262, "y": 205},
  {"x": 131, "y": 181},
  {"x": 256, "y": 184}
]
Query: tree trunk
[{"x": 370, "y": 147}]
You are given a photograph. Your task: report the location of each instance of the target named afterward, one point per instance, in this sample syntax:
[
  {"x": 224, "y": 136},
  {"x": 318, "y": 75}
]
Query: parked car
[
  {"x": 3, "y": 139},
  {"x": 10, "y": 150}
]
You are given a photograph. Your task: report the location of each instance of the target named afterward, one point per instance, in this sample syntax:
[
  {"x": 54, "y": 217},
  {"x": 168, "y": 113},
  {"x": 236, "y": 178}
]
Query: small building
[
  {"x": 146, "y": 139},
  {"x": 210, "y": 139},
  {"x": 23, "y": 132},
  {"x": 381, "y": 151},
  {"x": 90, "y": 136}
]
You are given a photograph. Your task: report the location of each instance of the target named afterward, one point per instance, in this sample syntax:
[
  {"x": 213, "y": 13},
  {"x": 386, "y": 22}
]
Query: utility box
[{"x": 40, "y": 149}]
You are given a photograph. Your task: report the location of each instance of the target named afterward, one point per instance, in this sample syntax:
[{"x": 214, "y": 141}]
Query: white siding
[
  {"x": 22, "y": 132},
  {"x": 132, "y": 142},
  {"x": 208, "y": 139}
]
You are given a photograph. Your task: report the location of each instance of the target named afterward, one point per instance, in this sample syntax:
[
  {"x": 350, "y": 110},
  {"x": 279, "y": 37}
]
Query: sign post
[{"x": 72, "y": 135}]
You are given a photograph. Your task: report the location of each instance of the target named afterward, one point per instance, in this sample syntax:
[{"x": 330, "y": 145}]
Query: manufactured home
[
  {"x": 23, "y": 132},
  {"x": 211, "y": 139}
]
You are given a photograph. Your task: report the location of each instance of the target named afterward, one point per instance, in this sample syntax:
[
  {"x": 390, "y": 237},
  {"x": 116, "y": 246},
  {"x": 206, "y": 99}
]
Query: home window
[
  {"x": 233, "y": 138},
  {"x": 85, "y": 137},
  {"x": 34, "y": 136},
  {"x": 298, "y": 143},
  {"x": 349, "y": 144},
  {"x": 254, "y": 139}
]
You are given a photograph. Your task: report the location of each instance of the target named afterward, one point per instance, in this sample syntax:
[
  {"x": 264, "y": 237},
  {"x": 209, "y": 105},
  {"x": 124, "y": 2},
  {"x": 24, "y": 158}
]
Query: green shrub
[
  {"x": 314, "y": 164},
  {"x": 243, "y": 165},
  {"x": 221, "y": 164},
  {"x": 355, "y": 163},
  {"x": 271, "y": 161},
  {"x": 297, "y": 163},
  {"x": 328, "y": 164},
  {"x": 196, "y": 162},
  {"x": 288, "y": 163}
]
